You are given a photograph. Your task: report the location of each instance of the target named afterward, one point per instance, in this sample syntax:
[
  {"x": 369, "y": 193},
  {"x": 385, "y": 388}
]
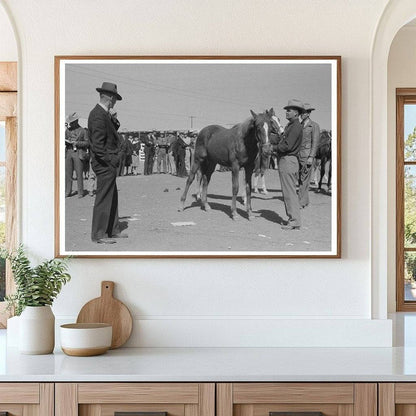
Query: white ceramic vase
[
  {"x": 37, "y": 330},
  {"x": 13, "y": 331}
]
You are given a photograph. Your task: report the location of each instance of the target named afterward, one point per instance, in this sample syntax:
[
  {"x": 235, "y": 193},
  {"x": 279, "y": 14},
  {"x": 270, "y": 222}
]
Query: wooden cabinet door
[
  {"x": 397, "y": 399},
  {"x": 107, "y": 399},
  {"x": 297, "y": 399},
  {"x": 27, "y": 399}
]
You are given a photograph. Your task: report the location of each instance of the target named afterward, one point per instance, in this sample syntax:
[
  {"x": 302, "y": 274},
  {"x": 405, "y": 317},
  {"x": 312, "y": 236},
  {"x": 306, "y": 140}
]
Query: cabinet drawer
[
  {"x": 106, "y": 399},
  {"x": 296, "y": 399},
  {"x": 21, "y": 399},
  {"x": 19, "y": 393},
  {"x": 138, "y": 393}
]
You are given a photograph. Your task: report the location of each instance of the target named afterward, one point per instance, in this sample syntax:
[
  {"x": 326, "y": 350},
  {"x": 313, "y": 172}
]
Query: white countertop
[{"x": 213, "y": 365}]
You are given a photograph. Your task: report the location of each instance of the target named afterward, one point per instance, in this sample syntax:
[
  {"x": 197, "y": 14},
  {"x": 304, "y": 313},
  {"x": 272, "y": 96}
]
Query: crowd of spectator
[{"x": 147, "y": 153}]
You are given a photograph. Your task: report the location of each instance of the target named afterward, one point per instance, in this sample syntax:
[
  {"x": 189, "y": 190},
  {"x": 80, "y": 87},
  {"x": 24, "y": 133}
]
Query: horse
[
  {"x": 237, "y": 147},
  {"x": 324, "y": 154}
]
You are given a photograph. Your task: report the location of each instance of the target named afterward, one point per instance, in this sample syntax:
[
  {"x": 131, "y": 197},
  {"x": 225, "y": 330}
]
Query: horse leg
[
  {"x": 243, "y": 190},
  {"x": 195, "y": 168},
  {"x": 248, "y": 174},
  {"x": 234, "y": 175},
  {"x": 330, "y": 176},
  {"x": 199, "y": 180},
  {"x": 263, "y": 183},
  {"x": 255, "y": 183},
  {"x": 206, "y": 169},
  {"x": 315, "y": 169},
  {"x": 323, "y": 163}
]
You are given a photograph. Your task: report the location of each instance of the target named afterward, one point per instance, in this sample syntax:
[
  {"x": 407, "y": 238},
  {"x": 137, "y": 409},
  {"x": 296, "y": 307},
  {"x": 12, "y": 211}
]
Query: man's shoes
[
  {"x": 105, "y": 241},
  {"x": 290, "y": 226},
  {"x": 120, "y": 235}
]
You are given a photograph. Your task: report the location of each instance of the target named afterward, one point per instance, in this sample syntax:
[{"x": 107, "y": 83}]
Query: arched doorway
[
  {"x": 8, "y": 149},
  {"x": 396, "y": 14}
]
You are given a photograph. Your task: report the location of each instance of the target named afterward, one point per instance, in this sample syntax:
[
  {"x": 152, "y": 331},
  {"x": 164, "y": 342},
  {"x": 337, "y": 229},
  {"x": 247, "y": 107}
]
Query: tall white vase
[
  {"x": 13, "y": 331},
  {"x": 37, "y": 330}
]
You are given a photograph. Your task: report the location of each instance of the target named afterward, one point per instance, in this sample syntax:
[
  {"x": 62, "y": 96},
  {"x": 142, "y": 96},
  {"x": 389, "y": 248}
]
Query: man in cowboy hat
[
  {"x": 307, "y": 152},
  {"x": 76, "y": 145},
  {"x": 288, "y": 148},
  {"x": 162, "y": 153},
  {"x": 149, "y": 152},
  {"x": 104, "y": 142}
]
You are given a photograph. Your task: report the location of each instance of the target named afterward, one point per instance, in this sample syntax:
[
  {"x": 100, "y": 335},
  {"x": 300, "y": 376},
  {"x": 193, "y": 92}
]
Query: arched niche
[
  {"x": 9, "y": 53},
  {"x": 8, "y": 44},
  {"x": 396, "y": 14}
]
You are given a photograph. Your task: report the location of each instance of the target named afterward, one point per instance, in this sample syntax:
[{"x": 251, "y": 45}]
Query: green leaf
[{"x": 35, "y": 286}]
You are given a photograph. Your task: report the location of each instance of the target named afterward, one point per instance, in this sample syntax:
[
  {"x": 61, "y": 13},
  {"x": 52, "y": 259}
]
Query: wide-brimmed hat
[
  {"x": 72, "y": 117},
  {"x": 109, "y": 87},
  {"x": 297, "y": 104},
  {"x": 308, "y": 107}
]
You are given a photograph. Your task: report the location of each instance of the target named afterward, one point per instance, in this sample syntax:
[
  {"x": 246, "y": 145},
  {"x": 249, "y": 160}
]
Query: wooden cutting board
[{"x": 107, "y": 309}]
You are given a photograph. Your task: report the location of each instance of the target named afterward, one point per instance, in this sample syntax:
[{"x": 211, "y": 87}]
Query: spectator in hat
[
  {"x": 135, "y": 158},
  {"x": 105, "y": 163},
  {"x": 122, "y": 153},
  {"x": 307, "y": 152},
  {"x": 171, "y": 155},
  {"x": 194, "y": 135},
  {"x": 189, "y": 140},
  {"x": 179, "y": 152},
  {"x": 149, "y": 152},
  {"x": 288, "y": 148},
  {"x": 163, "y": 145},
  {"x": 129, "y": 155},
  {"x": 76, "y": 146}
]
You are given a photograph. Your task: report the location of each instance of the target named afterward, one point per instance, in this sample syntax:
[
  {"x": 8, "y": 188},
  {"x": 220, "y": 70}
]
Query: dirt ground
[{"x": 149, "y": 207}]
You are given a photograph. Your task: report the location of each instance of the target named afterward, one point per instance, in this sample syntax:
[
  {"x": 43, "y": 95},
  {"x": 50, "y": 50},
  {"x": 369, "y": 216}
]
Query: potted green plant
[{"x": 36, "y": 289}]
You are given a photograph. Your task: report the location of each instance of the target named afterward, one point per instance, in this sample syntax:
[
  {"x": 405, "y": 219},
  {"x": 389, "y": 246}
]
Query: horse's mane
[
  {"x": 325, "y": 137},
  {"x": 245, "y": 126}
]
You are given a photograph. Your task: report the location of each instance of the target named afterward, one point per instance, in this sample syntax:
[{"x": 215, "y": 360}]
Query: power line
[
  {"x": 160, "y": 87},
  {"x": 138, "y": 113}
]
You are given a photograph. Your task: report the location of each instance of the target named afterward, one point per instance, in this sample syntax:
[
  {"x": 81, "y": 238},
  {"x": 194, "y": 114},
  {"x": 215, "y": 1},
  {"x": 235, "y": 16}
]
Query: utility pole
[{"x": 192, "y": 121}]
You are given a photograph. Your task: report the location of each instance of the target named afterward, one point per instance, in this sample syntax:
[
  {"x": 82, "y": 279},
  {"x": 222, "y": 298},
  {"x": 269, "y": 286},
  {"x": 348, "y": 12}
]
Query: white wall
[
  {"x": 401, "y": 74},
  {"x": 179, "y": 302},
  {"x": 8, "y": 45}
]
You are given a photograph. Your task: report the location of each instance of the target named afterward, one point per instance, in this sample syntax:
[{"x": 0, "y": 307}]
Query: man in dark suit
[{"x": 104, "y": 143}]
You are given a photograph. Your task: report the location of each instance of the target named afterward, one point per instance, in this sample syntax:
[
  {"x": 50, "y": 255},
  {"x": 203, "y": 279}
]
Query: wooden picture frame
[{"x": 178, "y": 96}]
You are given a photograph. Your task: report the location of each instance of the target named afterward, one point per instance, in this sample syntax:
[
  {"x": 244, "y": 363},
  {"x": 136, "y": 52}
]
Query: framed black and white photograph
[{"x": 198, "y": 156}]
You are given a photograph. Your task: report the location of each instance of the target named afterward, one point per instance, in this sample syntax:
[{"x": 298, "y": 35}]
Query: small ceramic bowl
[{"x": 83, "y": 340}]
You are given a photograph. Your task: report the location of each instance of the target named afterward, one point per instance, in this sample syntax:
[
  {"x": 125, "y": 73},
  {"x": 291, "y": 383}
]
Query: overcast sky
[{"x": 172, "y": 96}]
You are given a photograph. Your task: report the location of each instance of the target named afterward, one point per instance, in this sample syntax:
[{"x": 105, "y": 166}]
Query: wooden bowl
[{"x": 84, "y": 340}]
